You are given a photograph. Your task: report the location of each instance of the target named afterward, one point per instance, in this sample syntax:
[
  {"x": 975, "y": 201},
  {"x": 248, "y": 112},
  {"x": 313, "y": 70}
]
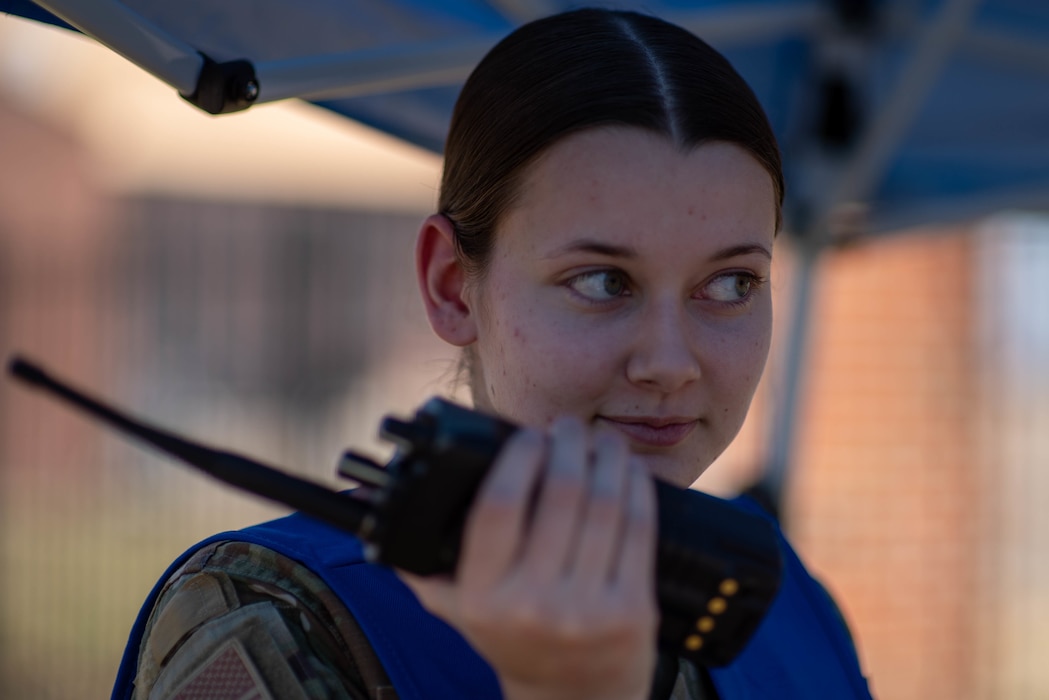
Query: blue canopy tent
[{"x": 907, "y": 112}]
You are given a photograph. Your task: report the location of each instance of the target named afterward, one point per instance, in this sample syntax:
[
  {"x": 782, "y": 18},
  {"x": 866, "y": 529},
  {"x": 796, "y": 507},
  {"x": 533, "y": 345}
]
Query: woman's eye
[
  {"x": 732, "y": 287},
  {"x": 600, "y": 285}
]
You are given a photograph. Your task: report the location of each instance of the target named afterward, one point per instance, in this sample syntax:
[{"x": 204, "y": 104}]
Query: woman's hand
[{"x": 560, "y": 600}]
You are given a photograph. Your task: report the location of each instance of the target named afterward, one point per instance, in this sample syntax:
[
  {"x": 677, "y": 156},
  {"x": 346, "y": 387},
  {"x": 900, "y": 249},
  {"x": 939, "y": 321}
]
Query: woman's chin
[{"x": 672, "y": 469}]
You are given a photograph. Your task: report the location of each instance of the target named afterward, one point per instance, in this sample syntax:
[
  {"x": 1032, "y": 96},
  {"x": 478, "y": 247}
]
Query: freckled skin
[{"x": 666, "y": 348}]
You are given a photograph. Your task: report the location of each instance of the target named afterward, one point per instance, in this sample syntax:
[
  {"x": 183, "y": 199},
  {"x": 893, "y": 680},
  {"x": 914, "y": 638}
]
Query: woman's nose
[{"x": 663, "y": 358}]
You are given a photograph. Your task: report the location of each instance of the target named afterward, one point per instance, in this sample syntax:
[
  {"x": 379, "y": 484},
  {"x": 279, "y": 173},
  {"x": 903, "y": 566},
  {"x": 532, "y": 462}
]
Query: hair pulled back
[{"x": 587, "y": 68}]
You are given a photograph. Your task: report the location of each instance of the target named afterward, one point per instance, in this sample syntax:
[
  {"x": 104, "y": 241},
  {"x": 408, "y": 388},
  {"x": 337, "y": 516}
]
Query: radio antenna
[{"x": 332, "y": 507}]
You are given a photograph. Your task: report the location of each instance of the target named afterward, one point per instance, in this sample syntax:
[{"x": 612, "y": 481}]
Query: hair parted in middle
[{"x": 584, "y": 69}]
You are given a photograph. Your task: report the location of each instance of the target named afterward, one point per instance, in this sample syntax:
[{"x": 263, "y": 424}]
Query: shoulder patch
[
  {"x": 229, "y": 673},
  {"x": 266, "y": 648}
]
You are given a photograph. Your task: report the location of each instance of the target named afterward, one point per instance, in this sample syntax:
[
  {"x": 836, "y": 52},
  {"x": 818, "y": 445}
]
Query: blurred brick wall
[
  {"x": 884, "y": 496},
  {"x": 52, "y": 238}
]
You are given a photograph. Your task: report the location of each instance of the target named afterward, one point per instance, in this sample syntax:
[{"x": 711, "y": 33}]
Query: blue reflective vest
[{"x": 802, "y": 650}]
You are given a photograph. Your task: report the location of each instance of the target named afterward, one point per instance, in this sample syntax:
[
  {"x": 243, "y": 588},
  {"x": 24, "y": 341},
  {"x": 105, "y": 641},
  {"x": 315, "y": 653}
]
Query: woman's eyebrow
[
  {"x": 587, "y": 245},
  {"x": 744, "y": 249}
]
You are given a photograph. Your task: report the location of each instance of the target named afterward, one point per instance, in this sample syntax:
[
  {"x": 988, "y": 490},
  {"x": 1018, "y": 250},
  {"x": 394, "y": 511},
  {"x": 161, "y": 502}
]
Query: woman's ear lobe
[{"x": 442, "y": 282}]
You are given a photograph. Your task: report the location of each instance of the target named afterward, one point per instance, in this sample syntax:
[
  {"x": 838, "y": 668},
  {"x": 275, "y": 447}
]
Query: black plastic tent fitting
[
  {"x": 857, "y": 15},
  {"x": 840, "y": 117},
  {"x": 225, "y": 87}
]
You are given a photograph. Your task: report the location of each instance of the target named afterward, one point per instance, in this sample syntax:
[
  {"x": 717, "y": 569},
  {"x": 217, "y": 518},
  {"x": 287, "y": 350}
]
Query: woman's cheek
[
  {"x": 559, "y": 370},
  {"x": 742, "y": 357}
]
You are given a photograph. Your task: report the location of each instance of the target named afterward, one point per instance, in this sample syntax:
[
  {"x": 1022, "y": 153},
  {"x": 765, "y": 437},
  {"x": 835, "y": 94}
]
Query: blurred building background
[{"x": 247, "y": 280}]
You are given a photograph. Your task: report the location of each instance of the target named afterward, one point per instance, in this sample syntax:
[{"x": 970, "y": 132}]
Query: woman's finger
[
  {"x": 636, "y": 567},
  {"x": 554, "y": 531},
  {"x": 601, "y": 529},
  {"x": 498, "y": 520}
]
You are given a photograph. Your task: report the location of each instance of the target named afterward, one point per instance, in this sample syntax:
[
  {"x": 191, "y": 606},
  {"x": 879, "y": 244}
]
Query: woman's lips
[{"x": 653, "y": 432}]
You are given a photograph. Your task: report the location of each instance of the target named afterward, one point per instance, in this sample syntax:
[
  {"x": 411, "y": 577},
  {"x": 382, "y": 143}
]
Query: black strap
[{"x": 665, "y": 677}]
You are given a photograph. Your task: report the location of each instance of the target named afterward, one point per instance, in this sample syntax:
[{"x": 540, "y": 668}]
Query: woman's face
[{"x": 629, "y": 286}]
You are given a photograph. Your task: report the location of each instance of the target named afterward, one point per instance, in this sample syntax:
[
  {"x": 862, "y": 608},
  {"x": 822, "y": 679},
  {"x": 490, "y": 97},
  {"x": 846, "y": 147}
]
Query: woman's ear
[{"x": 442, "y": 282}]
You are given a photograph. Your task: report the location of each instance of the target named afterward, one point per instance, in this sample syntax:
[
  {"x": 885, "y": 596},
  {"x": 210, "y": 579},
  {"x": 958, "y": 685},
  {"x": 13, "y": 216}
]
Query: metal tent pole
[
  {"x": 857, "y": 175},
  {"x": 409, "y": 66},
  {"x": 786, "y": 409},
  {"x": 127, "y": 33}
]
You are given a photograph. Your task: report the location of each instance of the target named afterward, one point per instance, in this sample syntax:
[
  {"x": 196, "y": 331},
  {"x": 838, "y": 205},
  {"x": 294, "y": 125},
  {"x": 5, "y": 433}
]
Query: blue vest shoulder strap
[{"x": 802, "y": 648}]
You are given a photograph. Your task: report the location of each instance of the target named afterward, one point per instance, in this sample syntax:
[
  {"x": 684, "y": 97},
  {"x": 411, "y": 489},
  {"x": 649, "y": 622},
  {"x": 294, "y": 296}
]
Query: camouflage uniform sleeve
[{"x": 240, "y": 621}]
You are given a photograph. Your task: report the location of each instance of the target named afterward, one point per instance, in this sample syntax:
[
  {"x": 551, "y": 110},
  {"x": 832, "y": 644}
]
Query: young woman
[{"x": 611, "y": 195}]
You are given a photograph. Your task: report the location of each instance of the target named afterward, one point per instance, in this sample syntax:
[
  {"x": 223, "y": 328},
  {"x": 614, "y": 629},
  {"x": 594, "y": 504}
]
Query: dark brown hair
[{"x": 578, "y": 70}]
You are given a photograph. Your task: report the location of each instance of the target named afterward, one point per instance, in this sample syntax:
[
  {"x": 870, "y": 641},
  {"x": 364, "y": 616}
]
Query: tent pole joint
[{"x": 231, "y": 86}]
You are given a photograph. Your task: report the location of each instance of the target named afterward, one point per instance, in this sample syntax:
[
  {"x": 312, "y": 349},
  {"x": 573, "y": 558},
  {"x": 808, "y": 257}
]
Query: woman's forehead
[{"x": 630, "y": 187}]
